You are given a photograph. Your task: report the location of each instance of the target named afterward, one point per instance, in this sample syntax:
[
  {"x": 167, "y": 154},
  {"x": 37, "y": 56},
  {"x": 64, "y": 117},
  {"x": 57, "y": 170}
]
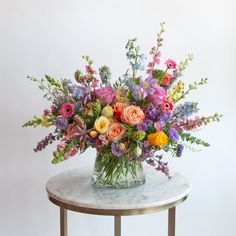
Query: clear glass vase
[{"x": 117, "y": 172}]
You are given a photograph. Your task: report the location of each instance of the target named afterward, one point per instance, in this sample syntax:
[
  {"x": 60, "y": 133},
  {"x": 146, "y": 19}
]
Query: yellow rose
[
  {"x": 159, "y": 139},
  {"x": 101, "y": 124},
  {"x": 107, "y": 111}
]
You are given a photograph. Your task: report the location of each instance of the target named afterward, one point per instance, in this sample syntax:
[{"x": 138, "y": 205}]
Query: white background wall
[{"x": 50, "y": 36}]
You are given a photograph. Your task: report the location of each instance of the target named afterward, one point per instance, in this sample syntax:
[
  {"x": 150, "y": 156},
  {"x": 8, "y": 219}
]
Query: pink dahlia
[
  {"x": 106, "y": 95},
  {"x": 67, "y": 110},
  {"x": 157, "y": 96},
  {"x": 171, "y": 64}
]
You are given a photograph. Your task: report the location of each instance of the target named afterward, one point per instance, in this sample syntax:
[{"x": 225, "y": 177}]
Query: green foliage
[
  {"x": 138, "y": 135},
  {"x": 79, "y": 76},
  {"x": 53, "y": 82},
  {"x": 159, "y": 36},
  {"x": 36, "y": 121},
  {"x": 53, "y": 88},
  {"x": 59, "y": 155},
  {"x": 130, "y": 130},
  {"x": 88, "y": 60},
  {"x": 193, "y": 140},
  {"x": 118, "y": 83},
  {"x": 159, "y": 74},
  {"x": 215, "y": 117},
  {"x": 183, "y": 64},
  {"x": 96, "y": 108},
  {"x": 191, "y": 87}
]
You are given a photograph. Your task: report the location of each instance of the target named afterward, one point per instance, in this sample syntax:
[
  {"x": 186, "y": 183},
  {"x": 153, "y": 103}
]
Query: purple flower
[
  {"x": 106, "y": 95},
  {"x": 164, "y": 117},
  {"x": 184, "y": 110},
  {"x": 163, "y": 167},
  {"x": 116, "y": 150},
  {"x": 159, "y": 94},
  {"x": 79, "y": 92},
  {"x": 144, "y": 126},
  {"x": 180, "y": 150},
  {"x": 151, "y": 113},
  {"x": 173, "y": 134},
  {"x": 61, "y": 123},
  {"x": 146, "y": 86},
  {"x": 43, "y": 143}
]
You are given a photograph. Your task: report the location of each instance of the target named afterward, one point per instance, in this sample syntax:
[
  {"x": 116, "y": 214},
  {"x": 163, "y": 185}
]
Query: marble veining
[{"x": 74, "y": 187}]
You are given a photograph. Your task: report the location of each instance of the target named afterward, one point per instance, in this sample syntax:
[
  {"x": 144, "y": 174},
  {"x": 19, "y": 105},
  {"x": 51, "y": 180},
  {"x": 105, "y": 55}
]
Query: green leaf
[{"x": 193, "y": 140}]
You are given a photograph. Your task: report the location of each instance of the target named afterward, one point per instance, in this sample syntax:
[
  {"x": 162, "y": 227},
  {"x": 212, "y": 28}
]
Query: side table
[{"x": 72, "y": 190}]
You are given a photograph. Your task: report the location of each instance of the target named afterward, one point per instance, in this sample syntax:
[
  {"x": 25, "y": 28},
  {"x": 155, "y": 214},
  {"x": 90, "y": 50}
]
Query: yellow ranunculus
[
  {"x": 159, "y": 139},
  {"x": 101, "y": 124},
  {"x": 107, "y": 111}
]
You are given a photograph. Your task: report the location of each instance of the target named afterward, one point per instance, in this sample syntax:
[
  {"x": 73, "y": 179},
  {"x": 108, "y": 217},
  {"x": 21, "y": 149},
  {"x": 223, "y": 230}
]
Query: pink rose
[
  {"x": 115, "y": 131},
  {"x": 158, "y": 96},
  {"x": 132, "y": 115},
  {"x": 106, "y": 95}
]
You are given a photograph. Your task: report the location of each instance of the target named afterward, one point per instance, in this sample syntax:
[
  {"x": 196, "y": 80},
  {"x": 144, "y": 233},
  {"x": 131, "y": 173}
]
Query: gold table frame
[{"x": 64, "y": 207}]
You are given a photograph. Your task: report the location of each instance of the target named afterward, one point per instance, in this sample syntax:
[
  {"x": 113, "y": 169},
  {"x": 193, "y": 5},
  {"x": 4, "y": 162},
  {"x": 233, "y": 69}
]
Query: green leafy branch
[
  {"x": 208, "y": 119},
  {"x": 193, "y": 140},
  {"x": 183, "y": 65},
  {"x": 191, "y": 87},
  {"x": 159, "y": 36},
  {"x": 52, "y": 87},
  {"x": 36, "y": 121}
]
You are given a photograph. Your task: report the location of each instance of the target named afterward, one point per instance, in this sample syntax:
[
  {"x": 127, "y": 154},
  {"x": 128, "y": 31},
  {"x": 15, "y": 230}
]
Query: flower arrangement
[{"x": 129, "y": 121}]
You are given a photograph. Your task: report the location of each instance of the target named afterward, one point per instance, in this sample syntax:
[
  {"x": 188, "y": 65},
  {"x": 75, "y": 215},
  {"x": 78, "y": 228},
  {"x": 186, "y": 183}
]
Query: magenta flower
[
  {"x": 106, "y": 95},
  {"x": 171, "y": 64},
  {"x": 67, "y": 110},
  {"x": 159, "y": 94}
]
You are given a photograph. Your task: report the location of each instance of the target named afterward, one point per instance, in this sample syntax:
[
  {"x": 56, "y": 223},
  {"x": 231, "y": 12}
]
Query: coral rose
[
  {"x": 118, "y": 109},
  {"x": 159, "y": 139},
  {"x": 132, "y": 115},
  {"x": 115, "y": 131}
]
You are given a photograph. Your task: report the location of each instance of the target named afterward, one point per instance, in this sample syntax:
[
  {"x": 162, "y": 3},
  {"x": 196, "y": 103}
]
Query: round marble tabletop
[{"x": 74, "y": 191}]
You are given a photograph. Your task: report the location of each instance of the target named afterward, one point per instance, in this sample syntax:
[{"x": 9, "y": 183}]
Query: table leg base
[
  {"x": 117, "y": 224},
  {"x": 171, "y": 222},
  {"x": 63, "y": 221}
]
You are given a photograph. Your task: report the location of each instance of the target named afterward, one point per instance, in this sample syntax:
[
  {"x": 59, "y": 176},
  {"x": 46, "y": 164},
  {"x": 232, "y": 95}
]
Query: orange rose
[
  {"x": 132, "y": 115},
  {"x": 118, "y": 109},
  {"x": 115, "y": 131}
]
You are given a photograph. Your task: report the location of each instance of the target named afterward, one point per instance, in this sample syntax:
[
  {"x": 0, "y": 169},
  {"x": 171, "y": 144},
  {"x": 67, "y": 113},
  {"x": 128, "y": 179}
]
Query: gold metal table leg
[
  {"x": 171, "y": 222},
  {"x": 63, "y": 221},
  {"x": 117, "y": 221}
]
